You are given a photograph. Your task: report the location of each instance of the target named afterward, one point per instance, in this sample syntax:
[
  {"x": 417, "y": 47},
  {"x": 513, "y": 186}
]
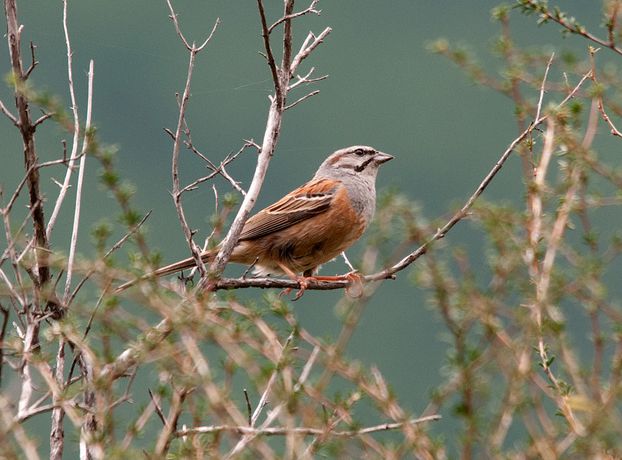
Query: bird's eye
[{"x": 359, "y": 152}]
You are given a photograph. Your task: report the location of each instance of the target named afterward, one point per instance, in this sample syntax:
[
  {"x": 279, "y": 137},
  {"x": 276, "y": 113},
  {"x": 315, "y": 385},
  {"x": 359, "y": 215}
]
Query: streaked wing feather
[{"x": 309, "y": 200}]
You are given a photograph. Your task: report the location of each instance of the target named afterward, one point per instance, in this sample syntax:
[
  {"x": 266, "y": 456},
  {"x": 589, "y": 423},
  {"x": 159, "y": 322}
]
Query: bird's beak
[{"x": 382, "y": 157}]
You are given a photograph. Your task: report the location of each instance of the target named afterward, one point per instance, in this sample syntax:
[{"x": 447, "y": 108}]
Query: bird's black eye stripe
[{"x": 363, "y": 165}]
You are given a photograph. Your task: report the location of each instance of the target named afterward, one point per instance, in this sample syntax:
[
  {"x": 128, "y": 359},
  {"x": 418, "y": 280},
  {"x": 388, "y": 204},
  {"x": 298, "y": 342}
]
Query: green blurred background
[{"x": 384, "y": 90}]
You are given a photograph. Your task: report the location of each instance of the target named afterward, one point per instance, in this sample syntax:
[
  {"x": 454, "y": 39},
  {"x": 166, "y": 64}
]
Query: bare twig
[
  {"x": 57, "y": 432},
  {"x": 306, "y": 79},
  {"x": 243, "y": 442},
  {"x": 268, "y": 47},
  {"x": 303, "y": 98},
  {"x": 33, "y": 62},
  {"x": 28, "y": 446},
  {"x": 177, "y": 191},
  {"x": 307, "y": 48},
  {"x": 192, "y": 48},
  {"x": 114, "y": 247},
  {"x": 575, "y": 29},
  {"x": 156, "y": 405},
  {"x": 249, "y": 408},
  {"x": 303, "y": 431},
  {"x": 42, "y": 118},
  {"x": 309, "y": 9},
  {"x": 599, "y": 97},
  {"x": 5, "y": 321},
  {"x": 542, "y": 87},
  {"x": 170, "y": 427},
  {"x": 215, "y": 169},
  {"x": 8, "y": 113},
  {"x": 130, "y": 356},
  {"x": 82, "y": 167},
  {"x": 27, "y": 130},
  {"x": 76, "y": 128},
  {"x": 440, "y": 233}
]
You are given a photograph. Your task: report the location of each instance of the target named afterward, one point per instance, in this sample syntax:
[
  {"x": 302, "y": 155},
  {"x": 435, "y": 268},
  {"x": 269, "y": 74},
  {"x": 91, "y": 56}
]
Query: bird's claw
[
  {"x": 355, "y": 288},
  {"x": 304, "y": 284}
]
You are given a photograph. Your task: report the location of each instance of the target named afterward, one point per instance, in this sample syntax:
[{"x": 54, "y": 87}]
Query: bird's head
[{"x": 360, "y": 160}]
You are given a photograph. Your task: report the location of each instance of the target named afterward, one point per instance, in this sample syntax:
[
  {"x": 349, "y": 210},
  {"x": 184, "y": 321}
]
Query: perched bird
[{"x": 309, "y": 226}]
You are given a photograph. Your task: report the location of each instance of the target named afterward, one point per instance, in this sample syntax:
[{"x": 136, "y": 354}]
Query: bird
[{"x": 309, "y": 226}]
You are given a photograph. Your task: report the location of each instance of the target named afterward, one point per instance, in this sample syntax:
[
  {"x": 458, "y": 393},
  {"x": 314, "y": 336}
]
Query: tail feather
[{"x": 167, "y": 270}]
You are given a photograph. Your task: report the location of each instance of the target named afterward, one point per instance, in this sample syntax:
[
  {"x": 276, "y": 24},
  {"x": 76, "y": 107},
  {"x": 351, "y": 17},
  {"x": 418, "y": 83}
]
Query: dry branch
[{"x": 304, "y": 431}]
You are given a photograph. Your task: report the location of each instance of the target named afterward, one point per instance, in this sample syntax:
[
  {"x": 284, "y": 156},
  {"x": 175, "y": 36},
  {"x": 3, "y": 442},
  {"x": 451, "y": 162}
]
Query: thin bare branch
[
  {"x": 42, "y": 118},
  {"x": 114, "y": 247},
  {"x": 8, "y": 113},
  {"x": 183, "y": 102},
  {"x": 306, "y": 49},
  {"x": 601, "y": 105},
  {"x": 33, "y": 62},
  {"x": 541, "y": 97},
  {"x": 268, "y": 47},
  {"x": 249, "y": 408},
  {"x": 303, "y": 431},
  {"x": 76, "y": 128},
  {"x": 289, "y": 17},
  {"x": 303, "y": 98},
  {"x": 560, "y": 19},
  {"x": 78, "y": 204},
  {"x": 27, "y": 130},
  {"x": 28, "y": 446}
]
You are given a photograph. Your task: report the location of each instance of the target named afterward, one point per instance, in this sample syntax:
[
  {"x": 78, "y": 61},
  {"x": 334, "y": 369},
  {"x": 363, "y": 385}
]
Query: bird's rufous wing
[{"x": 309, "y": 200}]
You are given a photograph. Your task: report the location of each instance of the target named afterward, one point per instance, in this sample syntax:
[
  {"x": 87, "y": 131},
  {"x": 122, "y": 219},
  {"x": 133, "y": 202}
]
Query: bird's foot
[
  {"x": 303, "y": 281},
  {"x": 354, "y": 289}
]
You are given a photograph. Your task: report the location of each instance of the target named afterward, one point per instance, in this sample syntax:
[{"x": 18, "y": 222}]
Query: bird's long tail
[{"x": 175, "y": 267}]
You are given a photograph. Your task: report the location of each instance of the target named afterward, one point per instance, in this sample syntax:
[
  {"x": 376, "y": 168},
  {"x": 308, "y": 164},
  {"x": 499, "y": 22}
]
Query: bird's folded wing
[{"x": 309, "y": 200}]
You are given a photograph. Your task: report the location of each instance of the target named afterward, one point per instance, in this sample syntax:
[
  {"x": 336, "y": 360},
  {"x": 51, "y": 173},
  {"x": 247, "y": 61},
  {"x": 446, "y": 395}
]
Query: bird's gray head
[{"x": 358, "y": 160}]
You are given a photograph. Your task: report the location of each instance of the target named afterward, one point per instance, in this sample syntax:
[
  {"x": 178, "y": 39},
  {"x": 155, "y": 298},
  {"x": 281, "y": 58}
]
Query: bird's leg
[
  {"x": 302, "y": 280},
  {"x": 354, "y": 289}
]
